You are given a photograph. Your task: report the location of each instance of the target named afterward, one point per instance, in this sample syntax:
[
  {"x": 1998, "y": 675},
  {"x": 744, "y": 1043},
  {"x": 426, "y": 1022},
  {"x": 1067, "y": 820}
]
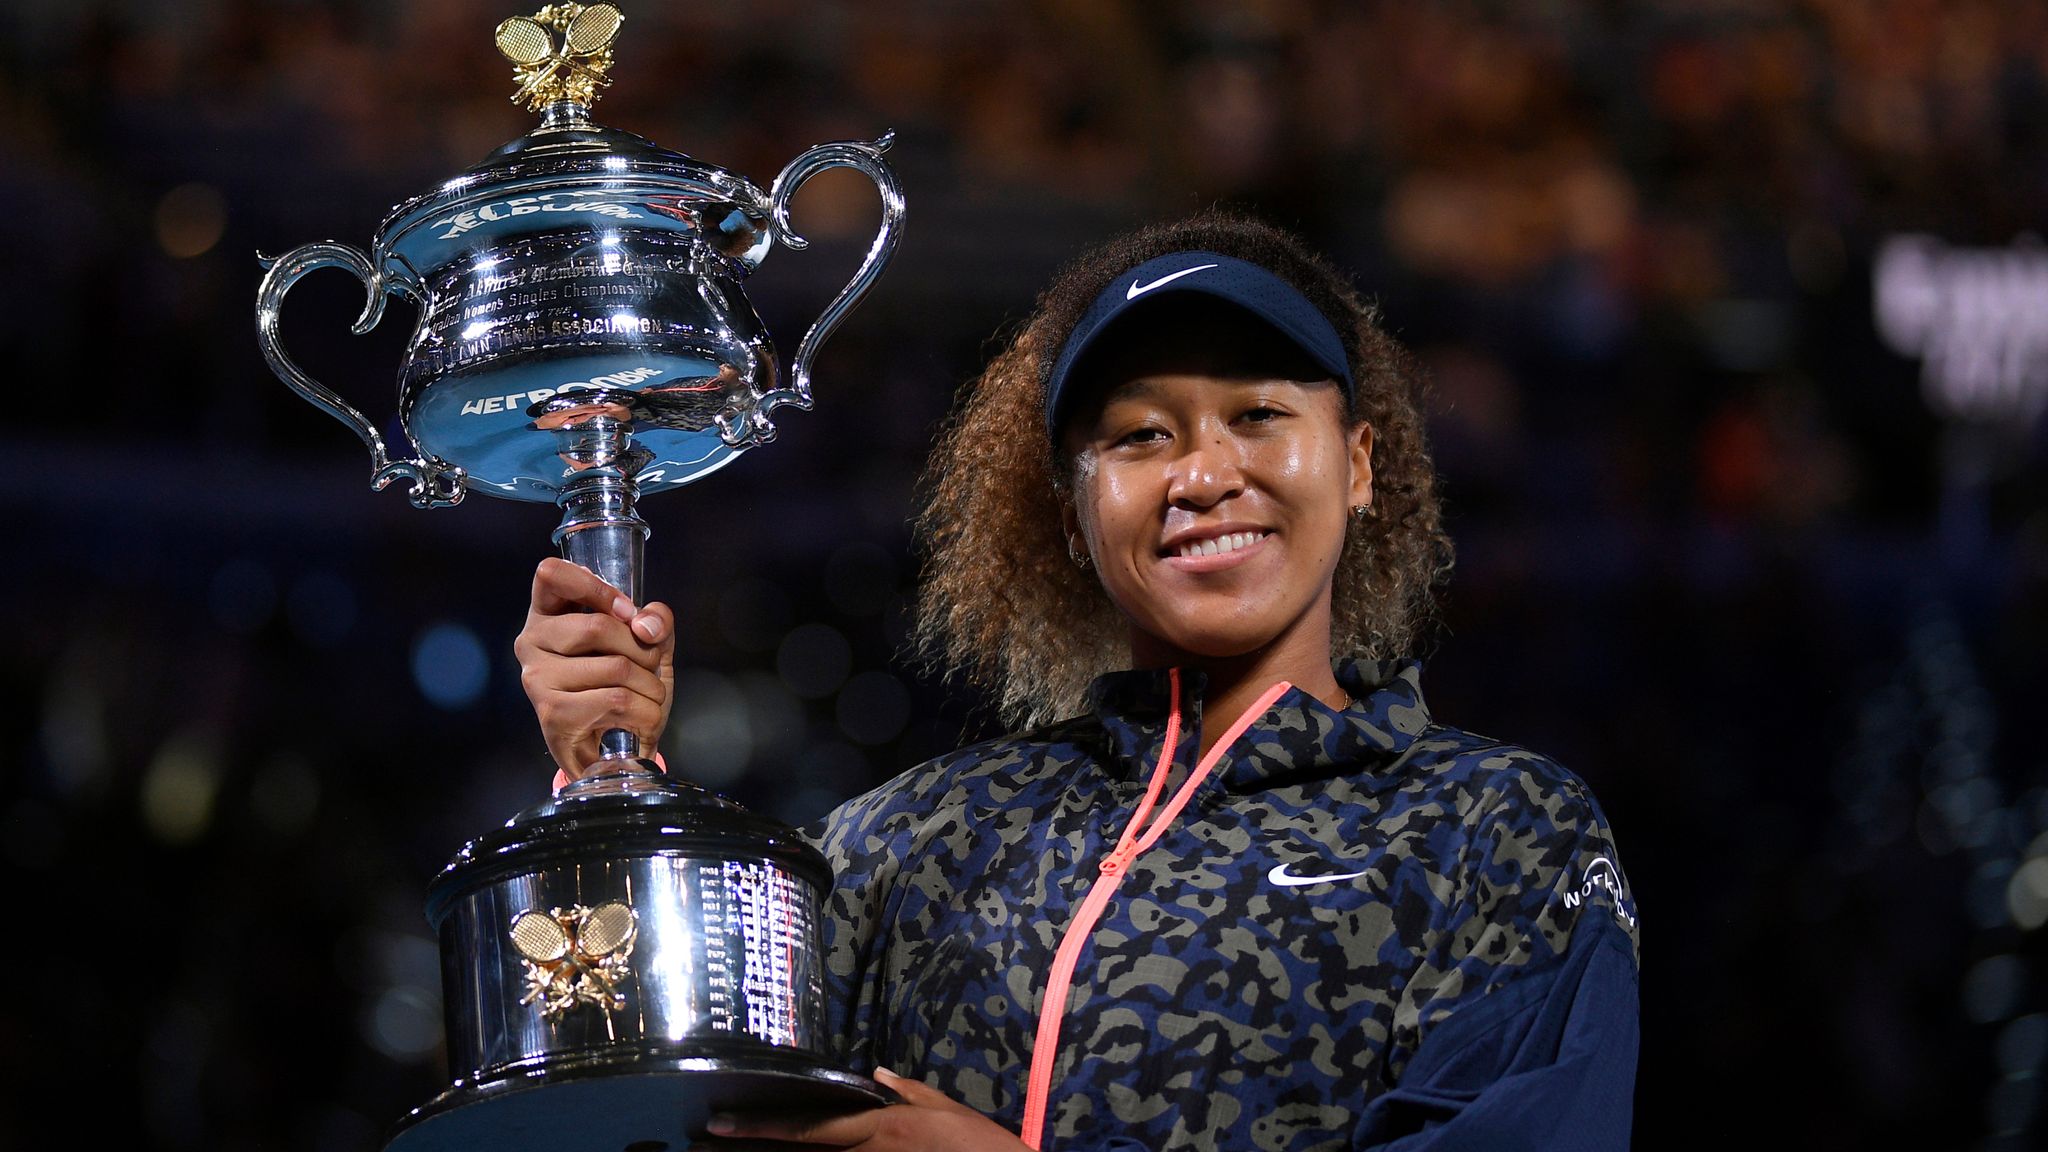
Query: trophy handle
[
  {"x": 435, "y": 483},
  {"x": 865, "y": 158}
]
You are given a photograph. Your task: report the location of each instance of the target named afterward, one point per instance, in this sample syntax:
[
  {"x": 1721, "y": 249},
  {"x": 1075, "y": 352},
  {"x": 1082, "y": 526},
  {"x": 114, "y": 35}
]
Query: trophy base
[{"x": 629, "y": 1103}]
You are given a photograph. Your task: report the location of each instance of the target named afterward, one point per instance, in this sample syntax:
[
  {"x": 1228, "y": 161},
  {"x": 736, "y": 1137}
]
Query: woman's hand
[
  {"x": 926, "y": 1121},
  {"x": 591, "y": 660}
]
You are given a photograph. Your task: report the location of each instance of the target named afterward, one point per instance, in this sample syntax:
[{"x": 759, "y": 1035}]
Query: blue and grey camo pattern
[{"x": 1228, "y": 998}]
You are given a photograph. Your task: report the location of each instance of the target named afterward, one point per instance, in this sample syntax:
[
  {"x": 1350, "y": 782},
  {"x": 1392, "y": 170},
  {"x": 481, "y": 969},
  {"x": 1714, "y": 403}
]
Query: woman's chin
[
  {"x": 1200, "y": 645},
  {"x": 1215, "y": 633}
]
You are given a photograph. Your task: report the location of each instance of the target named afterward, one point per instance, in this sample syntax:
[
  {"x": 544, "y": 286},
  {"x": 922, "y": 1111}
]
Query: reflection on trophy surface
[{"x": 632, "y": 953}]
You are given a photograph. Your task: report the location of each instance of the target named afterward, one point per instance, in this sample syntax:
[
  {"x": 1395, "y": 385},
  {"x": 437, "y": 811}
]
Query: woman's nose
[{"x": 1208, "y": 473}]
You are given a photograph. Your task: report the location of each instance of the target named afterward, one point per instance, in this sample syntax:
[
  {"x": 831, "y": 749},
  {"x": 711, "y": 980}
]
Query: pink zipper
[{"x": 1137, "y": 836}]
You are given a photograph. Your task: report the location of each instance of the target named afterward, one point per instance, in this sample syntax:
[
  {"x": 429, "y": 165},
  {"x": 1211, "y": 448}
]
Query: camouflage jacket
[{"x": 1367, "y": 930}]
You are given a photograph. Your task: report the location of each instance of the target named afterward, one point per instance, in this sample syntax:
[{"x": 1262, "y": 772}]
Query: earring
[
  {"x": 1361, "y": 511},
  {"x": 1078, "y": 555}
]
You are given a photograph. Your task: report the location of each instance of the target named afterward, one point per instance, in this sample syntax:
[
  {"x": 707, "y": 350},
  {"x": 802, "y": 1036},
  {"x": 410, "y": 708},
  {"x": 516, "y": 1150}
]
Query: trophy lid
[{"x": 569, "y": 166}]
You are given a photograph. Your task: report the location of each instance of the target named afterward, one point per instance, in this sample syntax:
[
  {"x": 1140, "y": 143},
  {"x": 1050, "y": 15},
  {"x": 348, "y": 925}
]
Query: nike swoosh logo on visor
[
  {"x": 1136, "y": 290},
  {"x": 1285, "y": 879}
]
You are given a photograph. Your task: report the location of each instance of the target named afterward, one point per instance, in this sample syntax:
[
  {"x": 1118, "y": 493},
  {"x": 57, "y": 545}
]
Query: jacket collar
[{"x": 1298, "y": 738}]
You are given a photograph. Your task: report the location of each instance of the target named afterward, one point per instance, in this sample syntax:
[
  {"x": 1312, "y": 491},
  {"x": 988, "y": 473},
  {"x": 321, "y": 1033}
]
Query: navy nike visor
[{"x": 1240, "y": 282}]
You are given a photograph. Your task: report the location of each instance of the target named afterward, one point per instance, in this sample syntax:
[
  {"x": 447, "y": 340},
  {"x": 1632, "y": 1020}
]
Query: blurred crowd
[{"x": 1718, "y": 550}]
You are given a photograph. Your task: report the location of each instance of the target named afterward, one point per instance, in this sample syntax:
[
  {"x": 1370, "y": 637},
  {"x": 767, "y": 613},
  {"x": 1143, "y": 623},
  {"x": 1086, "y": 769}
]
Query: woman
[{"x": 1247, "y": 894}]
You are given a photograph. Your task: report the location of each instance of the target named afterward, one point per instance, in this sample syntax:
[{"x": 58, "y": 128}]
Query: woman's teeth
[{"x": 1229, "y": 542}]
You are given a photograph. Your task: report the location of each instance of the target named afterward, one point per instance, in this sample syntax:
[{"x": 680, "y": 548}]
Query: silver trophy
[{"x": 635, "y": 952}]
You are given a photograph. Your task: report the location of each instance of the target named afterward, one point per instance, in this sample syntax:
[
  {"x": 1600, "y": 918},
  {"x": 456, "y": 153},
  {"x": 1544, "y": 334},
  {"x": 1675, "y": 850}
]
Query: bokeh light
[
  {"x": 180, "y": 785},
  {"x": 2026, "y": 895},
  {"x": 190, "y": 220},
  {"x": 775, "y": 717},
  {"x": 708, "y": 732},
  {"x": 2023, "y": 1045},
  {"x": 73, "y": 733},
  {"x": 1993, "y": 987},
  {"x": 449, "y": 665},
  {"x": 405, "y": 1023}
]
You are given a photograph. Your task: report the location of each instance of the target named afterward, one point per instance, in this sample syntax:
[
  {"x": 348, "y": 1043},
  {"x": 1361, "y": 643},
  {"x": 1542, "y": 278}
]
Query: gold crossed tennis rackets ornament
[
  {"x": 562, "y": 52},
  {"x": 575, "y": 955}
]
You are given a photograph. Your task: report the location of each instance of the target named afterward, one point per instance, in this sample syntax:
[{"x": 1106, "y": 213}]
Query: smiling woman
[
  {"x": 1230, "y": 886},
  {"x": 993, "y": 494},
  {"x": 1211, "y": 481}
]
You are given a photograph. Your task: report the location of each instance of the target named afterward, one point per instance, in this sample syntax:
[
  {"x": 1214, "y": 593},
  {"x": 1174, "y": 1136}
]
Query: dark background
[{"x": 1719, "y": 551}]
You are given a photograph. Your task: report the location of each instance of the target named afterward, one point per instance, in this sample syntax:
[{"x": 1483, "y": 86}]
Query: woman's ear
[
  {"x": 1360, "y": 437},
  {"x": 1075, "y": 536}
]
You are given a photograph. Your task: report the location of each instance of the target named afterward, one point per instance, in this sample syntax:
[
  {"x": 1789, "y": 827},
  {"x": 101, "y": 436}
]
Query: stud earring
[
  {"x": 1080, "y": 557},
  {"x": 1361, "y": 511}
]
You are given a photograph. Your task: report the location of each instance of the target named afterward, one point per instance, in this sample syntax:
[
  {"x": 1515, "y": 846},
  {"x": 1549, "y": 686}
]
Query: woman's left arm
[
  {"x": 1545, "y": 1063},
  {"x": 1524, "y": 1030}
]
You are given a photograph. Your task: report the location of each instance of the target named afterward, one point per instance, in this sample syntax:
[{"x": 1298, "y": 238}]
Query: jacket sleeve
[
  {"x": 869, "y": 842},
  {"x": 858, "y": 844},
  {"x": 1545, "y": 1063},
  {"x": 1524, "y": 1031}
]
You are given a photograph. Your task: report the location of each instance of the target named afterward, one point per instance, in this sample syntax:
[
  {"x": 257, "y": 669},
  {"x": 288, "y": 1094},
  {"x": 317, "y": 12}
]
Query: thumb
[{"x": 654, "y": 624}]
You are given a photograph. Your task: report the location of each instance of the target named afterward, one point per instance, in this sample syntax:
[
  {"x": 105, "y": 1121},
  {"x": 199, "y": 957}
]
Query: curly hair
[{"x": 1003, "y": 608}]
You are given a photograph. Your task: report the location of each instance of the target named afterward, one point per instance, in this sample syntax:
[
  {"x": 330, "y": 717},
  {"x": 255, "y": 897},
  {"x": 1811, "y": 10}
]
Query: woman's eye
[
  {"x": 1140, "y": 436},
  {"x": 1261, "y": 414}
]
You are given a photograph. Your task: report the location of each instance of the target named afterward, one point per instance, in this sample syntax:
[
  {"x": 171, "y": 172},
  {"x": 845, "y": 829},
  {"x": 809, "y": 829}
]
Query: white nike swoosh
[
  {"x": 1281, "y": 876},
  {"x": 1137, "y": 289}
]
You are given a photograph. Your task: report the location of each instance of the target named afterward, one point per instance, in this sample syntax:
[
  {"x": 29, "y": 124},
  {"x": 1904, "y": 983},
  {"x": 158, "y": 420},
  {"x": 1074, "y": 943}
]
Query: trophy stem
[
  {"x": 601, "y": 528},
  {"x": 602, "y": 531}
]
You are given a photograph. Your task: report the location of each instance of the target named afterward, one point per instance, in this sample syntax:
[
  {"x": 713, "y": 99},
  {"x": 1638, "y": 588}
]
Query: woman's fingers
[
  {"x": 920, "y": 1093},
  {"x": 573, "y": 722},
  {"x": 590, "y": 661},
  {"x": 559, "y": 586},
  {"x": 584, "y": 673},
  {"x": 583, "y": 634},
  {"x": 562, "y": 622}
]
